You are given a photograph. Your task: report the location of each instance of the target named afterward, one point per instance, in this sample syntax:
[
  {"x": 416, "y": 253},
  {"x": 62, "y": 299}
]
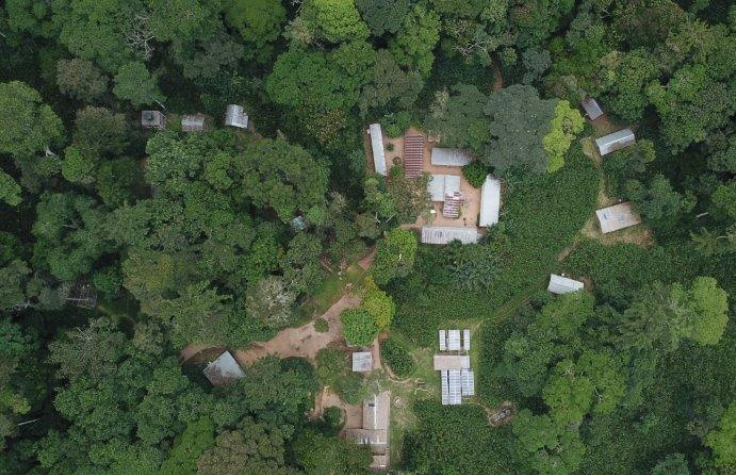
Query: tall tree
[{"x": 27, "y": 126}]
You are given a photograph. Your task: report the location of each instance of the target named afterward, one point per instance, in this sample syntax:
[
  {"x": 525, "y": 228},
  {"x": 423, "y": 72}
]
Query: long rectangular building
[
  {"x": 447, "y": 234},
  {"x": 490, "y": 202},
  {"x": 615, "y": 141},
  {"x": 450, "y": 157},
  {"x": 379, "y": 153}
]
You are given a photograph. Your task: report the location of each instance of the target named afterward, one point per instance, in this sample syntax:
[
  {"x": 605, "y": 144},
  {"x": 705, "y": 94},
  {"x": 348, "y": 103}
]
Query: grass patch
[{"x": 332, "y": 289}]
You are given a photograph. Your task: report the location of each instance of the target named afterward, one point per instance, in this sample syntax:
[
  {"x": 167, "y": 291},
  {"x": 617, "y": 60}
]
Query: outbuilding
[
  {"x": 362, "y": 361},
  {"x": 592, "y": 109},
  {"x": 450, "y": 157},
  {"x": 490, "y": 202},
  {"x": 223, "y": 370},
  {"x": 235, "y": 116},
  {"x": 615, "y": 141},
  {"x": 153, "y": 120},
  {"x": 379, "y": 153},
  {"x": 617, "y": 217},
  {"x": 447, "y": 234},
  {"x": 562, "y": 285},
  {"x": 193, "y": 123},
  {"x": 442, "y": 186}
]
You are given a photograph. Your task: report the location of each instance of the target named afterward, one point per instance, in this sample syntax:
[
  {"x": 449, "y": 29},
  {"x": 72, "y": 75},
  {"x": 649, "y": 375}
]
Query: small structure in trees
[
  {"x": 617, "y": 217},
  {"x": 447, "y": 234},
  {"x": 592, "y": 109},
  {"x": 456, "y": 378},
  {"x": 193, "y": 123},
  {"x": 153, "y": 120},
  {"x": 362, "y": 361},
  {"x": 450, "y": 157},
  {"x": 615, "y": 141},
  {"x": 490, "y": 202},
  {"x": 414, "y": 154},
  {"x": 81, "y": 294},
  {"x": 235, "y": 116},
  {"x": 562, "y": 285},
  {"x": 223, "y": 370},
  {"x": 379, "y": 153},
  {"x": 374, "y": 429}
]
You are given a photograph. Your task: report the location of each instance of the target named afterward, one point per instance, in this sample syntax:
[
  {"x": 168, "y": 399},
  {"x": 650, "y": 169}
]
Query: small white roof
[
  {"x": 236, "y": 116},
  {"x": 450, "y": 157},
  {"x": 443, "y": 340},
  {"x": 490, "y": 202},
  {"x": 615, "y": 141},
  {"x": 563, "y": 285},
  {"x": 592, "y": 109},
  {"x": 362, "y": 361},
  {"x": 447, "y": 234},
  {"x": 379, "y": 153},
  {"x": 453, "y": 340},
  {"x": 617, "y": 217},
  {"x": 466, "y": 340},
  {"x": 223, "y": 370}
]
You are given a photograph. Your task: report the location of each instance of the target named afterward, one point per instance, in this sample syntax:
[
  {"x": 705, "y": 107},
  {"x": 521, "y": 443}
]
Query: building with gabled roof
[
  {"x": 235, "y": 116},
  {"x": 362, "y": 361},
  {"x": 617, "y": 217},
  {"x": 374, "y": 430},
  {"x": 450, "y": 157},
  {"x": 592, "y": 109},
  {"x": 414, "y": 154},
  {"x": 562, "y": 285},
  {"x": 153, "y": 120},
  {"x": 615, "y": 141},
  {"x": 379, "y": 153},
  {"x": 490, "y": 202},
  {"x": 223, "y": 370},
  {"x": 447, "y": 234},
  {"x": 193, "y": 123}
]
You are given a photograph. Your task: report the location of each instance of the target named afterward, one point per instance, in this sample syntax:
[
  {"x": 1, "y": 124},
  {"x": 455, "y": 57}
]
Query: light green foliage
[
  {"x": 171, "y": 20},
  {"x": 27, "y": 126},
  {"x": 723, "y": 201},
  {"x": 722, "y": 440},
  {"x": 9, "y": 189},
  {"x": 519, "y": 122},
  {"x": 30, "y": 16},
  {"x": 80, "y": 79},
  {"x": 548, "y": 448},
  {"x": 605, "y": 372},
  {"x": 396, "y": 354},
  {"x": 409, "y": 195},
  {"x": 335, "y": 21},
  {"x": 99, "y": 131},
  {"x": 78, "y": 167},
  {"x": 457, "y": 119},
  {"x": 417, "y": 38},
  {"x": 134, "y": 83},
  {"x": 568, "y": 395},
  {"x": 259, "y": 21},
  {"x": 358, "y": 327},
  {"x": 383, "y": 16},
  {"x": 394, "y": 256},
  {"x": 566, "y": 124},
  {"x": 333, "y": 370},
  {"x": 13, "y": 277},
  {"x": 535, "y": 64},
  {"x": 627, "y": 164},
  {"x": 389, "y": 84},
  {"x": 707, "y": 306},
  {"x": 378, "y": 304}
]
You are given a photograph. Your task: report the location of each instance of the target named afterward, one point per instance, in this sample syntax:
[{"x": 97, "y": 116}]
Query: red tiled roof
[{"x": 414, "y": 154}]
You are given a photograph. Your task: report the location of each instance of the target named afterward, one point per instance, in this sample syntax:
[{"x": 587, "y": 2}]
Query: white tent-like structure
[
  {"x": 490, "y": 202},
  {"x": 450, "y": 157},
  {"x": 617, "y": 217},
  {"x": 615, "y": 141},
  {"x": 447, "y": 234},
  {"x": 563, "y": 285},
  {"x": 235, "y": 116},
  {"x": 379, "y": 153}
]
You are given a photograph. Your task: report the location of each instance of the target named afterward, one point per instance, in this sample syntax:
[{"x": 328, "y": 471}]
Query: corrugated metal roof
[
  {"x": 235, "y": 116},
  {"x": 615, "y": 141},
  {"x": 362, "y": 361},
  {"x": 466, "y": 340},
  {"x": 490, "y": 202},
  {"x": 223, "y": 370},
  {"x": 414, "y": 154},
  {"x": 192, "y": 123},
  {"x": 563, "y": 285},
  {"x": 379, "y": 153},
  {"x": 617, "y": 217},
  {"x": 450, "y": 157},
  {"x": 468, "y": 382},
  {"x": 447, "y": 234},
  {"x": 592, "y": 109},
  {"x": 446, "y": 362}
]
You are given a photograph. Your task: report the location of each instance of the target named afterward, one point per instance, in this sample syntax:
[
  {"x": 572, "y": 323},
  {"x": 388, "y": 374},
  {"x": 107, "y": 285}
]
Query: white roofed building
[
  {"x": 592, "y": 109},
  {"x": 490, "y": 202},
  {"x": 362, "y": 361},
  {"x": 446, "y": 234},
  {"x": 236, "y": 117},
  {"x": 379, "y": 153},
  {"x": 563, "y": 285},
  {"x": 617, "y": 217},
  {"x": 193, "y": 123},
  {"x": 223, "y": 370},
  {"x": 441, "y": 186},
  {"x": 450, "y": 157},
  {"x": 615, "y": 141}
]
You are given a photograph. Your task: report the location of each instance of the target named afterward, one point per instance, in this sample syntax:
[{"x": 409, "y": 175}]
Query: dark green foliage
[
  {"x": 396, "y": 124},
  {"x": 475, "y": 173},
  {"x": 396, "y": 354},
  {"x": 383, "y": 16}
]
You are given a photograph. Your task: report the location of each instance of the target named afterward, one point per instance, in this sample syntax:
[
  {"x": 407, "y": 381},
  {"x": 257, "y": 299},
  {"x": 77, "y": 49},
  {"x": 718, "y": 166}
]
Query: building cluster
[
  {"x": 235, "y": 116},
  {"x": 457, "y": 380}
]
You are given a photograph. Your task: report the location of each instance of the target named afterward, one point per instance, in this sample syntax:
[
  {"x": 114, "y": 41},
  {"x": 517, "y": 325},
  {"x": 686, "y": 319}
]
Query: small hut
[
  {"x": 153, "y": 120},
  {"x": 617, "y": 217},
  {"x": 615, "y": 141},
  {"x": 193, "y": 123},
  {"x": 447, "y": 234},
  {"x": 236, "y": 117},
  {"x": 592, "y": 109},
  {"x": 362, "y": 361},
  {"x": 450, "y": 157},
  {"x": 223, "y": 370},
  {"x": 563, "y": 285}
]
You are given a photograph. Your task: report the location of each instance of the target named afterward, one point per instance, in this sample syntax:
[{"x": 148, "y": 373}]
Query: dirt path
[
  {"x": 303, "y": 341},
  {"x": 498, "y": 83},
  {"x": 367, "y": 261}
]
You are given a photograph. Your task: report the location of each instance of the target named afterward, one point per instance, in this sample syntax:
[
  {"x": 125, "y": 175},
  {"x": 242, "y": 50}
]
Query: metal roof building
[
  {"x": 375, "y": 428},
  {"x": 153, "y": 120},
  {"x": 362, "y": 361},
  {"x": 563, "y": 285},
  {"x": 447, "y": 362},
  {"x": 223, "y": 370},
  {"x": 379, "y": 153},
  {"x": 450, "y": 157},
  {"x": 592, "y": 109},
  {"x": 450, "y": 340},
  {"x": 235, "y": 116},
  {"x": 414, "y": 154},
  {"x": 440, "y": 186},
  {"x": 615, "y": 141},
  {"x": 192, "y": 123},
  {"x": 617, "y": 217},
  {"x": 447, "y": 234},
  {"x": 490, "y": 202}
]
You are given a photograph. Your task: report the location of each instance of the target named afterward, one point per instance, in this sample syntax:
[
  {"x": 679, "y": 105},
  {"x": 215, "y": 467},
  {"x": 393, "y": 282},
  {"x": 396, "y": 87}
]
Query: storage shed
[
  {"x": 362, "y": 361},
  {"x": 615, "y": 141},
  {"x": 617, "y": 217},
  {"x": 153, "y": 120},
  {"x": 192, "y": 123},
  {"x": 563, "y": 285},
  {"x": 236, "y": 117},
  {"x": 592, "y": 109},
  {"x": 379, "y": 153},
  {"x": 450, "y": 157},
  {"x": 223, "y": 370},
  {"x": 490, "y": 202},
  {"x": 441, "y": 186},
  {"x": 447, "y": 234}
]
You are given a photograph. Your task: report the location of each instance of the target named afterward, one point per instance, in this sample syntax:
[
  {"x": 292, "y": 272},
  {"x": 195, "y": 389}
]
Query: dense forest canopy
[{"x": 121, "y": 245}]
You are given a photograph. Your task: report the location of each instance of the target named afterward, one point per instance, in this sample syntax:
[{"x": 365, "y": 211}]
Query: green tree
[
  {"x": 624, "y": 78},
  {"x": 78, "y": 167},
  {"x": 9, "y": 190},
  {"x": 193, "y": 442},
  {"x": 395, "y": 255},
  {"x": 134, "y": 83},
  {"x": 383, "y": 16},
  {"x": 335, "y": 21},
  {"x": 548, "y": 448},
  {"x": 80, "y": 79},
  {"x": 271, "y": 301},
  {"x": 259, "y": 21},
  {"x": 389, "y": 84},
  {"x": 27, "y": 126},
  {"x": 658, "y": 201},
  {"x": 358, "y": 327},
  {"x": 568, "y": 395},
  {"x": 378, "y": 304},
  {"x": 322, "y": 455},
  {"x": 566, "y": 124},
  {"x": 674, "y": 464},
  {"x": 99, "y": 131},
  {"x": 414, "y": 44},
  {"x": 722, "y": 440},
  {"x": 457, "y": 119}
]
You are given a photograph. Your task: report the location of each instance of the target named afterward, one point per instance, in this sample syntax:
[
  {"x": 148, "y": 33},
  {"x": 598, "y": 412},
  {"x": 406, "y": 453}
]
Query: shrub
[
  {"x": 390, "y": 147},
  {"x": 475, "y": 173},
  {"x": 396, "y": 354},
  {"x": 321, "y": 325},
  {"x": 396, "y": 124},
  {"x": 394, "y": 256},
  {"x": 379, "y": 304},
  {"x": 358, "y": 327}
]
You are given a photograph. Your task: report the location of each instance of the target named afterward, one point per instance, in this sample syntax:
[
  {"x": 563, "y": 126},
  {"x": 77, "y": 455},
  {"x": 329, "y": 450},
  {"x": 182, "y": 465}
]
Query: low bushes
[{"x": 396, "y": 354}]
